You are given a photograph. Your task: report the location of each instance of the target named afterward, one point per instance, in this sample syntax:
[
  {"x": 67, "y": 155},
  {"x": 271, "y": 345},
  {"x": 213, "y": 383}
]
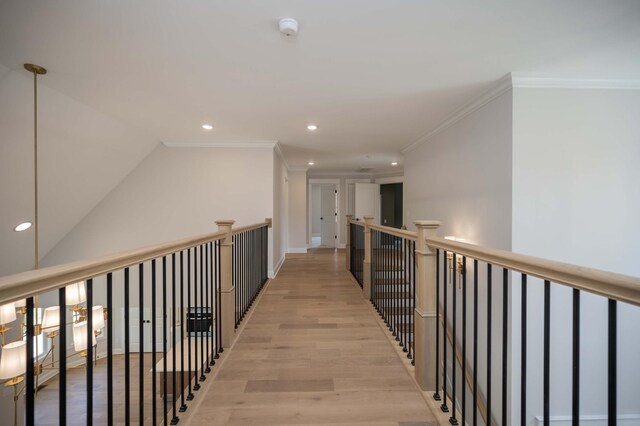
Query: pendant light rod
[{"x": 36, "y": 70}]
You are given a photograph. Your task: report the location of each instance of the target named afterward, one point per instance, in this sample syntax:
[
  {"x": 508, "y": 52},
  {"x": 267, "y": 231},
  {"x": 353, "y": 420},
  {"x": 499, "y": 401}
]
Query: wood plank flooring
[{"x": 312, "y": 353}]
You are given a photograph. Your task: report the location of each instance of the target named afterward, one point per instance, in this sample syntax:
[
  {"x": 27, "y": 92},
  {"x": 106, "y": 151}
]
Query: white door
[
  {"x": 328, "y": 216},
  {"x": 134, "y": 330},
  {"x": 368, "y": 200}
]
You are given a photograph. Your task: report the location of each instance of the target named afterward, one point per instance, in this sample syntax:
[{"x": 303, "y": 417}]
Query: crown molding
[
  {"x": 546, "y": 81},
  {"x": 298, "y": 169},
  {"x": 223, "y": 144},
  {"x": 498, "y": 88},
  {"x": 281, "y": 155}
]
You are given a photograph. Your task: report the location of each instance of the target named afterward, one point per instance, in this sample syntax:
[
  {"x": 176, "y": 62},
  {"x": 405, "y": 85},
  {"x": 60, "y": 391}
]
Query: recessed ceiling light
[
  {"x": 395, "y": 163},
  {"x": 311, "y": 163},
  {"x": 312, "y": 127},
  {"x": 207, "y": 126},
  {"x": 23, "y": 226}
]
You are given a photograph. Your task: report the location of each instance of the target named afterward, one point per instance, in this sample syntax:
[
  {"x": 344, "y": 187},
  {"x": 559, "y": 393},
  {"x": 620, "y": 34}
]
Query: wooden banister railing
[
  {"x": 189, "y": 295},
  {"x": 619, "y": 287},
  {"x": 449, "y": 285},
  {"x": 19, "y": 286}
]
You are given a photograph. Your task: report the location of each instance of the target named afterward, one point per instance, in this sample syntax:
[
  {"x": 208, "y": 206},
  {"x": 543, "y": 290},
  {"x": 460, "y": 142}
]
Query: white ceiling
[{"x": 375, "y": 75}]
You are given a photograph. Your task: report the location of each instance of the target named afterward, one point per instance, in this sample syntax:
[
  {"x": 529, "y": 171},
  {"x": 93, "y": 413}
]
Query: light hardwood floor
[{"x": 312, "y": 353}]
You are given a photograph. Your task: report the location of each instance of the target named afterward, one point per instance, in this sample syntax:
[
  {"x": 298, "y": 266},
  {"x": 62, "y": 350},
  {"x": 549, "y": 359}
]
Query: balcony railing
[
  {"x": 462, "y": 296},
  {"x": 176, "y": 306}
]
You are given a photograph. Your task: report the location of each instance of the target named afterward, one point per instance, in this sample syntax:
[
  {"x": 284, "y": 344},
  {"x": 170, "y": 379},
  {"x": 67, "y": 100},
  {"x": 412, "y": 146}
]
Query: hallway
[{"x": 312, "y": 353}]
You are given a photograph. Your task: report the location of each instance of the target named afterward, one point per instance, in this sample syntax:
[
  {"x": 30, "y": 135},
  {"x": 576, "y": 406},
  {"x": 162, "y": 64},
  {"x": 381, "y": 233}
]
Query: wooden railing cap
[
  {"x": 427, "y": 223},
  {"x": 223, "y": 222}
]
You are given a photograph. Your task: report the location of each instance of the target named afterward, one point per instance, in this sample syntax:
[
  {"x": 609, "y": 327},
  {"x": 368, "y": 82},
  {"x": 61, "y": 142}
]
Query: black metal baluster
[
  {"x": 547, "y": 350},
  {"x": 413, "y": 299},
  {"x": 62, "y": 354},
  {"x": 183, "y": 318},
  {"x": 208, "y": 307},
  {"x": 444, "y": 406},
  {"x": 505, "y": 331},
  {"x": 454, "y": 341},
  {"x": 29, "y": 389},
  {"x": 196, "y": 311},
  {"x": 127, "y": 347},
  {"x": 406, "y": 285},
  {"x": 575, "y": 394},
  {"x": 463, "y": 278},
  {"x": 189, "y": 318},
  {"x": 202, "y": 313},
  {"x": 489, "y": 300},
  {"x": 523, "y": 352},
  {"x": 236, "y": 276},
  {"x": 154, "y": 339},
  {"x": 89, "y": 364},
  {"x": 475, "y": 342},
  {"x": 175, "y": 418},
  {"x": 141, "y": 344},
  {"x": 612, "y": 369},
  {"x": 212, "y": 300},
  {"x": 220, "y": 349},
  {"x": 165, "y": 405}
]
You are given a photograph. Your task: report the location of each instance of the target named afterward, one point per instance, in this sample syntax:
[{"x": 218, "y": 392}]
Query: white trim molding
[
  {"x": 222, "y": 144},
  {"x": 542, "y": 81},
  {"x": 593, "y": 420},
  {"x": 496, "y": 89},
  {"x": 299, "y": 250},
  {"x": 524, "y": 81},
  {"x": 274, "y": 272}
]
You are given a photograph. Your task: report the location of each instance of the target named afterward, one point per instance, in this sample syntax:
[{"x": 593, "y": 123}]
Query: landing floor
[{"x": 312, "y": 353}]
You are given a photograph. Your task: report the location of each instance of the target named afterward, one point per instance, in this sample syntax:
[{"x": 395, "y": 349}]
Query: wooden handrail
[
  {"x": 249, "y": 228},
  {"x": 620, "y": 287},
  {"x": 25, "y": 284},
  {"x": 356, "y": 222},
  {"x": 402, "y": 233}
]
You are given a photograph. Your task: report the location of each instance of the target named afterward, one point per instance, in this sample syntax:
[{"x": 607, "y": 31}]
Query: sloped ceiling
[
  {"x": 83, "y": 154},
  {"x": 375, "y": 75}
]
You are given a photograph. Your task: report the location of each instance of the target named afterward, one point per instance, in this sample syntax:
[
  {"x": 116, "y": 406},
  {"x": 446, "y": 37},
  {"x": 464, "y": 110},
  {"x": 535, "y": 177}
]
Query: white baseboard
[
  {"x": 341, "y": 246},
  {"x": 276, "y": 269},
  {"x": 595, "y": 420},
  {"x": 297, "y": 250}
]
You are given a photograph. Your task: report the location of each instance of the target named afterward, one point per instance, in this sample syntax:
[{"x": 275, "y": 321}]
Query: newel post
[
  {"x": 347, "y": 246},
  {"x": 425, "y": 312},
  {"x": 227, "y": 290},
  {"x": 366, "y": 266}
]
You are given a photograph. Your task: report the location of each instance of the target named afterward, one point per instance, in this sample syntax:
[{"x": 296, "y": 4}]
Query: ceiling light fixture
[
  {"x": 395, "y": 163},
  {"x": 23, "y": 226},
  {"x": 207, "y": 126},
  {"x": 311, "y": 163},
  {"x": 312, "y": 127},
  {"x": 288, "y": 26}
]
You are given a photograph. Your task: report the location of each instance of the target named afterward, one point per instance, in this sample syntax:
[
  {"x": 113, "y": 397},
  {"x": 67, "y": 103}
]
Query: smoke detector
[{"x": 288, "y": 26}]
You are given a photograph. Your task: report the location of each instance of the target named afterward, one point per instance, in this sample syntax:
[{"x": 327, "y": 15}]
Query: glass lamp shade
[
  {"x": 75, "y": 294},
  {"x": 13, "y": 360},
  {"x": 80, "y": 336},
  {"x": 51, "y": 319},
  {"x": 7, "y": 313},
  {"x": 20, "y": 303},
  {"x": 97, "y": 316}
]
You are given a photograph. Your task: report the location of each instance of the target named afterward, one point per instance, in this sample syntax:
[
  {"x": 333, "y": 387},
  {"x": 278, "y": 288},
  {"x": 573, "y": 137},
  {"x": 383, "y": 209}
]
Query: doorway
[
  {"x": 391, "y": 205},
  {"x": 324, "y": 215}
]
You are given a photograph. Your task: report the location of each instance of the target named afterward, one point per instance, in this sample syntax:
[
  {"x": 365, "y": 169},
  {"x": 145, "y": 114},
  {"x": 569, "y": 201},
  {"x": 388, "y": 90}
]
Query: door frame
[{"x": 339, "y": 226}]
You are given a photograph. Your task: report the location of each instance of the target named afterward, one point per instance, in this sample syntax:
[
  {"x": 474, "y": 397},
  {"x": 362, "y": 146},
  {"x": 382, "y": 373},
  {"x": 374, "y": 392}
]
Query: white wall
[
  {"x": 297, "y": 239},
  {"x": 280, "y": 213},
  {"x": 462, "y": 176},
  {"x": 576, "y": 199},
  {"x": 173, "y": 193},
  {"x": 82, "y": 155}
]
